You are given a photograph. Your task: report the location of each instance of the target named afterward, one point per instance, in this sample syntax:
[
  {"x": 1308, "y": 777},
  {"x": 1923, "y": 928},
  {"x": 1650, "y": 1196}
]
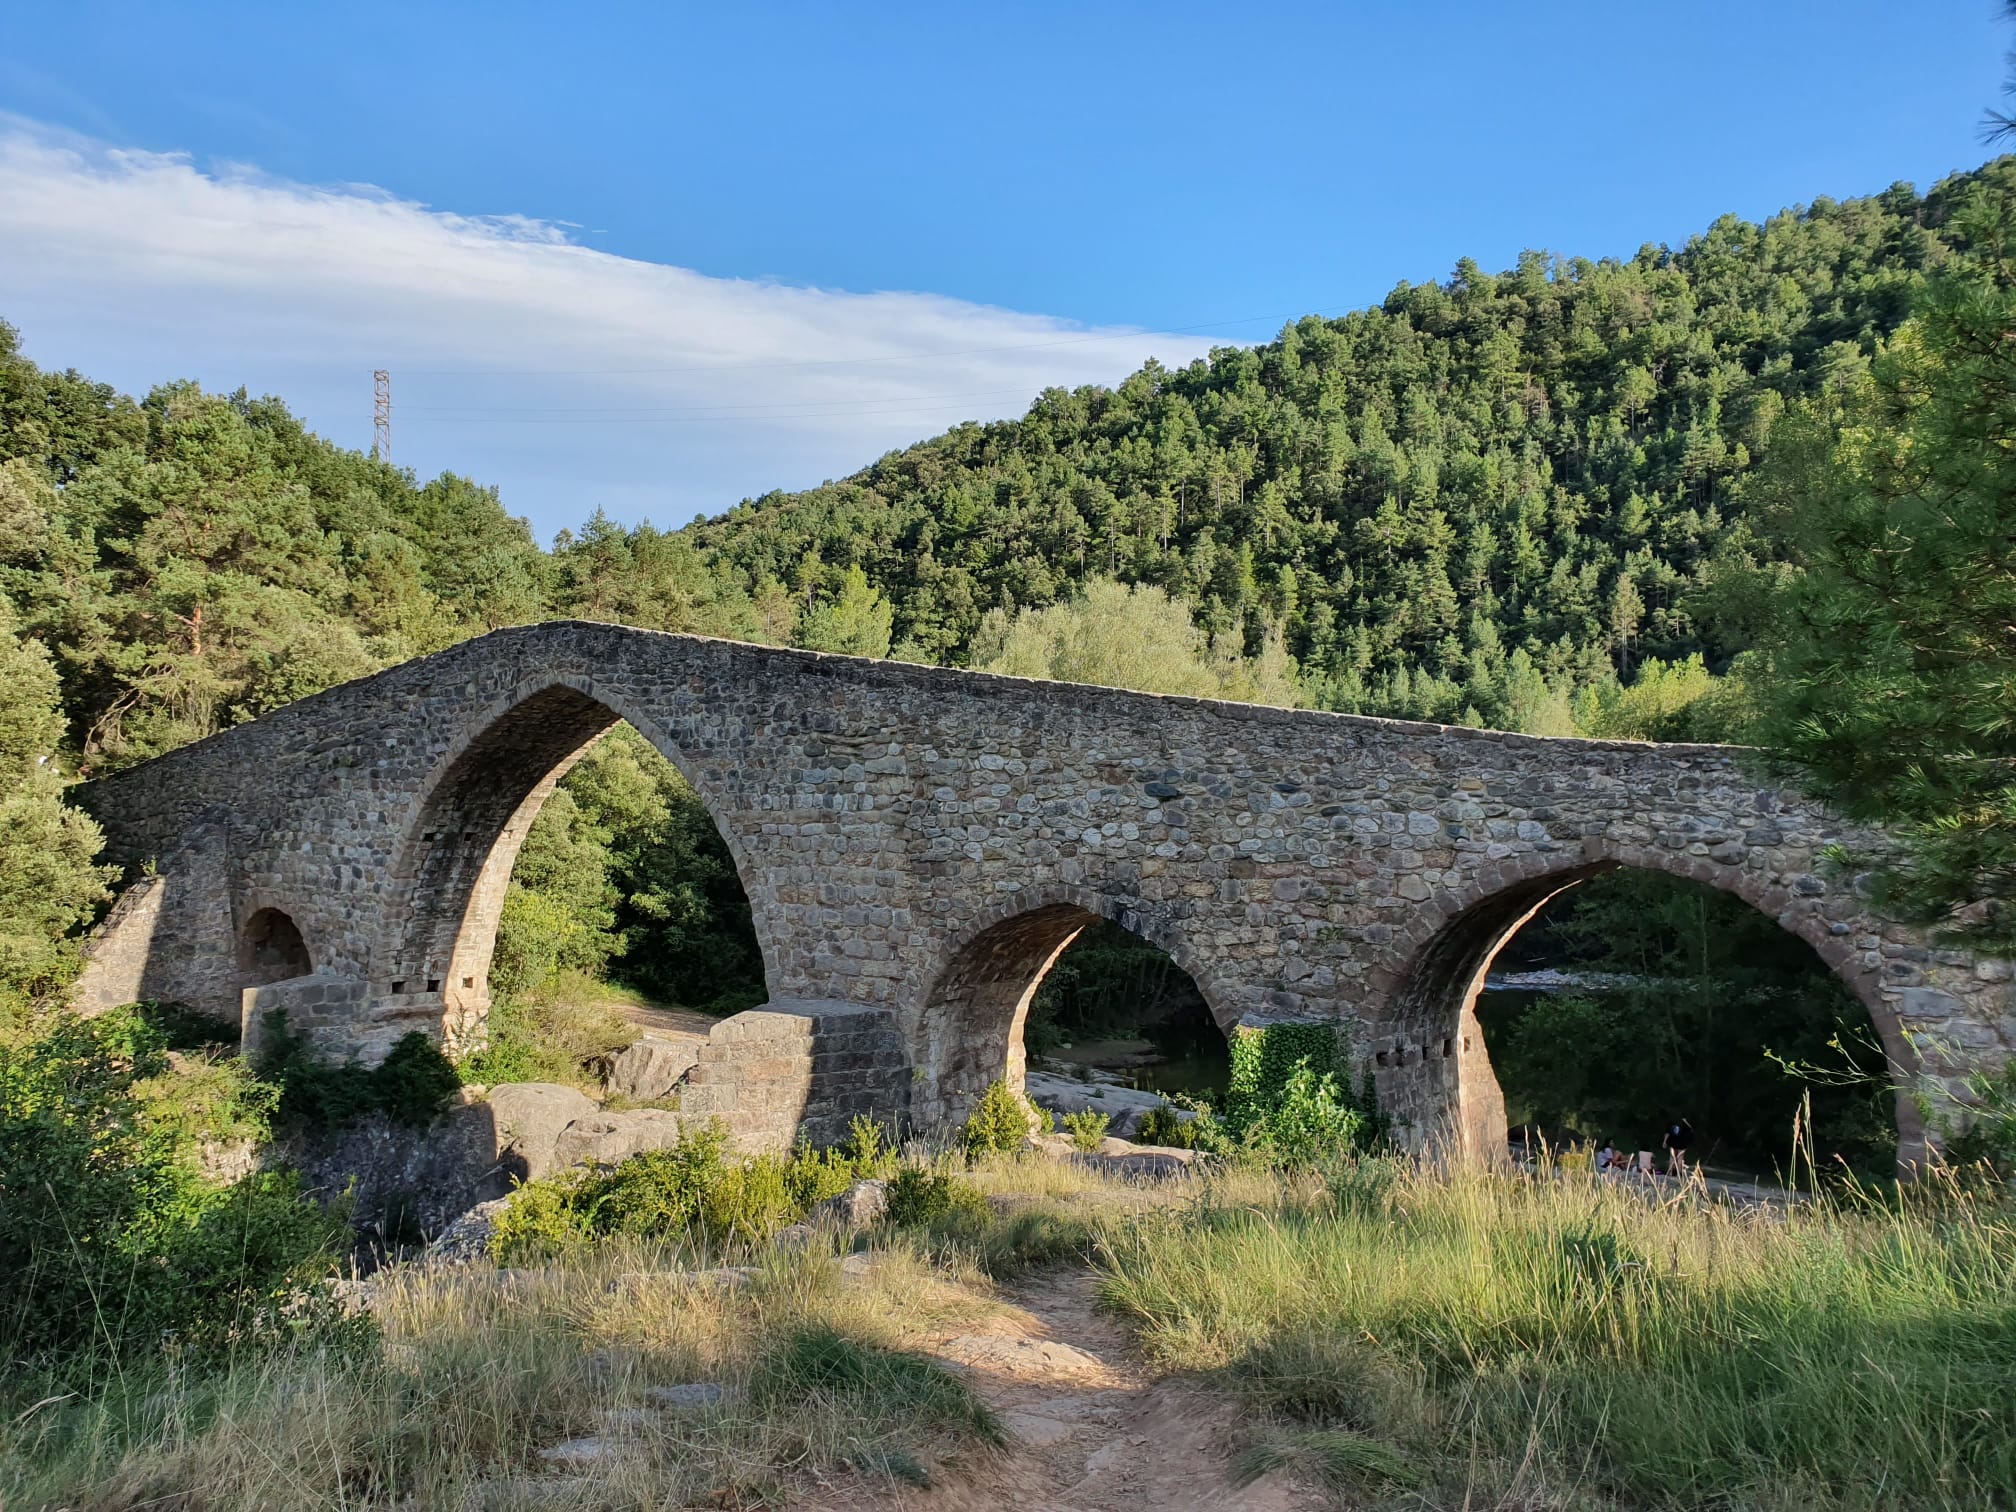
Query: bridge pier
[{"x": 801, "y": 1069}]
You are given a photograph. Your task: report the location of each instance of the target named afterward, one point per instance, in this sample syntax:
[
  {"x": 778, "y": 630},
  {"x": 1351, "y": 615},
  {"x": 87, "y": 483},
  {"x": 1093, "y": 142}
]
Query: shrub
[
  {"x": 865, "y": 1146},
  {"x": 1287, "y": 1101},
  {"x": 543, "y": 1219},
  {"x": 812, "y": 1176},
  {"x": 999, "y": 1123},
  {"x": 749, "y": 1200},
  {"x": 1309, "y": 1122},
  {"x": 1087, "y": 1129},
  {"x": 408, "y": 1086},
  {"x": 111, "y": 1238},
  {"x": 919, "y": 1196},
  {"x": 657, "y": 1191},
  {"x": 695, "y": 1187},
  {"x": 1165, "y": 1127}
]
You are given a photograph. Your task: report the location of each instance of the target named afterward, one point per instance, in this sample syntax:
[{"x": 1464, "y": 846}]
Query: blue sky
[{"x": 669, "y": 256}]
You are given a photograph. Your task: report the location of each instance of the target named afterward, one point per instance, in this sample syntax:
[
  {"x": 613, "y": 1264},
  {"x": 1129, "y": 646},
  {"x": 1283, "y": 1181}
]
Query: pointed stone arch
[
  {"x": 1428, "y": 1051},
  {"x": 969, "y": 1031},
  {"x": 461, "y": 834}
]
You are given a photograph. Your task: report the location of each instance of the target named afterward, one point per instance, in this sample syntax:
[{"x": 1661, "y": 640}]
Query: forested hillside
[{"x": 1537, "y": 470}]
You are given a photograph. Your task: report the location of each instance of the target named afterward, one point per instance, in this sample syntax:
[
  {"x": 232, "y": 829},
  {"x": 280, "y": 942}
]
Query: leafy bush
[
  {"x": 408, "y": 1086},
  {"x": 1087, "y": 1129},
  {"x": 543, "y": 1219},
  {"x": 111, "y": 1238},
  {"x": 919, "y": 1196},
  {"x": 749, "y": 1200},
  {"x": 696, "y": 1186},
  {"x": 1165, "y": 1127},
  {"x": 1310, "y": 1121},
  {"x": 866, "y": 1145},
  {"x": 999, "y": 1123},
  {"x": 1287, "y": 1102}
]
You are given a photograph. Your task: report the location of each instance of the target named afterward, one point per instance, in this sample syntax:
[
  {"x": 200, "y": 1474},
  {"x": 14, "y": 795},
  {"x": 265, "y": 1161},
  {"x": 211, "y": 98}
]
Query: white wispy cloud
[{"x": 570, "y": 377}]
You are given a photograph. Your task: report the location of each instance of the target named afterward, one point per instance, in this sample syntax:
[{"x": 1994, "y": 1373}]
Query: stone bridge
[{"x": 919, "y": 844}]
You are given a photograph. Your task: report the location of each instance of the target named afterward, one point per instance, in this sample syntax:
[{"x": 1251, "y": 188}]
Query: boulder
[
  {"x": 606, "y": 1138},
  {"x": 651, "y": 1069},
  {"x": 530, "y": 1117},
  {"x": 1120, "y": 1158},
  {"x": 860, "y": 1206},
  {"x": 467, "y": 1239}
]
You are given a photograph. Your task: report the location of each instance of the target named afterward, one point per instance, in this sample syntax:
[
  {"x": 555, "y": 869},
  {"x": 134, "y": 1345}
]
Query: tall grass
[
  {"x": 1516, "y": 1339},
  {"x": 477, "y": 1372}
]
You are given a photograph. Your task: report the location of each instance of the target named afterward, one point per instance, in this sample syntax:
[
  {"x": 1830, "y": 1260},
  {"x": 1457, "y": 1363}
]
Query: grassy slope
[{"x": 1401, "y": 1338}]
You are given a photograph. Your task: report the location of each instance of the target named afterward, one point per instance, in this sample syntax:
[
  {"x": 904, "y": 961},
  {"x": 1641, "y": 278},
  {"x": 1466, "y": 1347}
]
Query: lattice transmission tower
[{"x": 381, "y": 414}]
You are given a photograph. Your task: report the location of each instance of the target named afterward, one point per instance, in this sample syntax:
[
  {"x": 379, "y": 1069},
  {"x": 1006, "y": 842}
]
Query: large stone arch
[
  {"x": 1428, "y": 1051},
  {"x": 967, "y": 1030},
  {"x": 459, "y": 839}
]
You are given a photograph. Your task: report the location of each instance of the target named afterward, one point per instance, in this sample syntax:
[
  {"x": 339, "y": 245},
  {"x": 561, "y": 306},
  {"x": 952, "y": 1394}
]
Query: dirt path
[{"x": 1090, "y": 1429}]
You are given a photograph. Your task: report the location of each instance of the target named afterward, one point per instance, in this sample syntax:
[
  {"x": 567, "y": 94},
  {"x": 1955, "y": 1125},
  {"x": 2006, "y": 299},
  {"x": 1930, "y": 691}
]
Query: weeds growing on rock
[{"x": 1087, "y": 1129}]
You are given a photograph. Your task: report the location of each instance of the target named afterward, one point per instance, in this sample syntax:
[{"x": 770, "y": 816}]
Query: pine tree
[
  {"x": 1894, "y": 692},
  {"x": 50, "y": 883}
]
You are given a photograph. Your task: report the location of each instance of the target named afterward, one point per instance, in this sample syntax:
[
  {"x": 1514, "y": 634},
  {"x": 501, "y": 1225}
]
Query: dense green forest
[
  {"x": 1552, "y": 499},
  {"x": 1479, "y": 491}
]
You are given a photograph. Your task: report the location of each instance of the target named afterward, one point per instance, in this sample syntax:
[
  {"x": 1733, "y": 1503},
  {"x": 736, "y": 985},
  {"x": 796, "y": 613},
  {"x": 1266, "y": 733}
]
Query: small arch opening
[
  {"x": 271, "y": 949},
  {"x": 1096, "y": 1013},
  {"x": 1115, "y": 1006}
]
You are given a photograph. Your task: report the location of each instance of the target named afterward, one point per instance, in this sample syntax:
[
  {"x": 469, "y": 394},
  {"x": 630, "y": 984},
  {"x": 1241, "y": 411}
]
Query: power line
[
  {"x": 723, "y": 367},
  {"x": 444, "y": 411}
]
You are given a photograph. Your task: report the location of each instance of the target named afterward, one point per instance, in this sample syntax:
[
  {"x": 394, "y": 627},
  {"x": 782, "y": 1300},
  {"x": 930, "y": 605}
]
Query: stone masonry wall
[
  {"x": 800, "y": 1069},
  {"x": 884, "y": 818}
]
